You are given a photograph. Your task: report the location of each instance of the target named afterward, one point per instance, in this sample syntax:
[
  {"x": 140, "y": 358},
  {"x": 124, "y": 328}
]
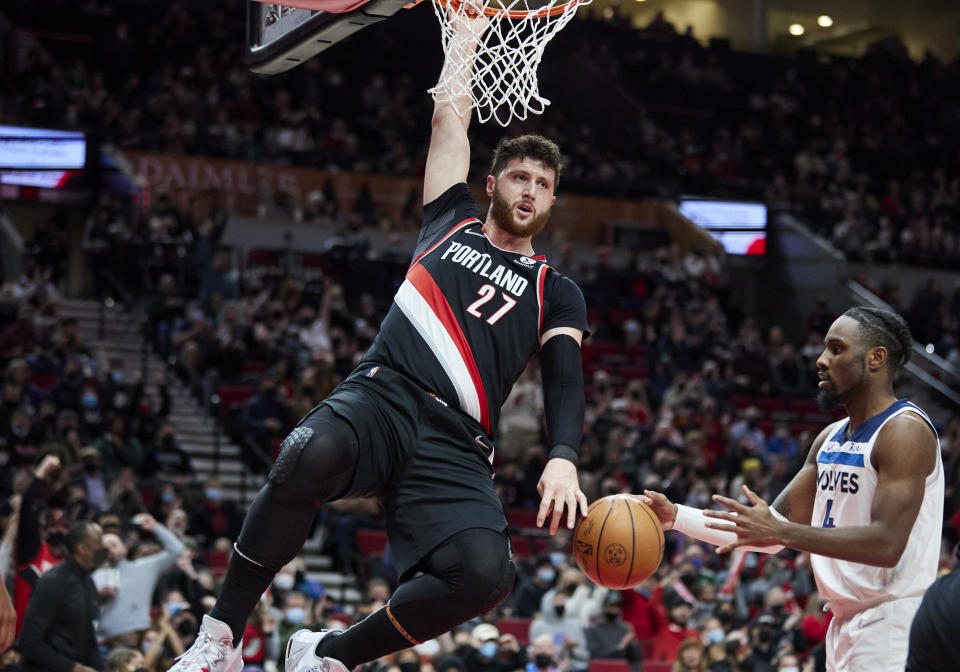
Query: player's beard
[
  {"x": 505, "y": 216},
  {"x": 827, "y": 400}
]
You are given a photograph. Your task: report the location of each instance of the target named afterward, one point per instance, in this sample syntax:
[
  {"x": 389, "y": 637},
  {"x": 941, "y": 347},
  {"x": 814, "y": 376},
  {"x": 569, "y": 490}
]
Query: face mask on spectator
[
  {"x": 90, "y": 400},
  {"x": 489, "y": 649},
  {"x": 789, "y": 669},
  {"x": 4, "y": 459},
  {"x": 91, "y": 466},
  {"x": 295, "y": 615},
  {"x": 409, "y": 667},
  {"x": 559, "y": 609},
  {"x": 546, "y": 575},
  {"x": 715, "y": 636},
  {"x": 117, "y": 376},
  {"x": 214, "y": 494},
  {"x": 20, "y": 432},
  {"x": 174, "y": 608},
  {"x": 557, "y": 558},
  {"x": 55, "y": 538},
  {"x": 611, "y": 616},
  {"x": 283, "y": 581},
  {"x": 145, "y": 647},
  {"x": 543, "y": 660},
  {"x": 168, "y": 497}
]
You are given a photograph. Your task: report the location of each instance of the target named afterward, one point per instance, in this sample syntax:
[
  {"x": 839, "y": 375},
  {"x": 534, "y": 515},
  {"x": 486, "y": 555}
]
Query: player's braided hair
[
  {"x": 530, "y": 146},
  {"x": 887, "y": 328}
]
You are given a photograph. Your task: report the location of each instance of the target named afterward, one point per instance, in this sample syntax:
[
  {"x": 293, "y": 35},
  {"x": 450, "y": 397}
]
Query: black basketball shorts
[{"x": 424, "y": 459}]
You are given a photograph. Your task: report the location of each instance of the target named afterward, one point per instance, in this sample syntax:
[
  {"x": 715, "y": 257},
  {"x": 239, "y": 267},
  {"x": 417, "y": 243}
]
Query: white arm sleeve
[{"x": 693, "y": 523}]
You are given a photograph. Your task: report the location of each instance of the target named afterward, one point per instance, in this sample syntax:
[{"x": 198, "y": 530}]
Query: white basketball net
[{"x": 503, "y": 85}]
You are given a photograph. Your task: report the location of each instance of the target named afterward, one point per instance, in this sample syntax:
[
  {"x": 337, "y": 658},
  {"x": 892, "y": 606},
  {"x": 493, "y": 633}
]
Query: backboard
[{"x": 280, "y": 37}]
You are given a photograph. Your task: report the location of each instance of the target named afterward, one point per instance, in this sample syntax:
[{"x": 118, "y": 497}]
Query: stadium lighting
[
  {"x": 796, "y": 29},
  {"x": 824, "y": 21}
]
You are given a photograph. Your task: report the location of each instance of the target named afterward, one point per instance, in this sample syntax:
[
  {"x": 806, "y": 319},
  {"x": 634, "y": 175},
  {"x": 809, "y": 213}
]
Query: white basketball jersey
[{"x": 846, "y": 482}]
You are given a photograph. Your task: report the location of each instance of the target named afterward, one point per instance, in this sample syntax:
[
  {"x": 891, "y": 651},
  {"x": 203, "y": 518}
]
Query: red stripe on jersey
[
  {"x": 424, "y": 283},
  {"x": 471, "y": 220},
  {"x": 541, "y": 281}
]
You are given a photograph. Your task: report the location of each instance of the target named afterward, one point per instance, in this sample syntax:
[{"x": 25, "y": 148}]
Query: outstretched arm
[
  {"x": 448, "y": 159},
  {"x": 904, "y": 455},
  {"x": 563, "y": 400}
]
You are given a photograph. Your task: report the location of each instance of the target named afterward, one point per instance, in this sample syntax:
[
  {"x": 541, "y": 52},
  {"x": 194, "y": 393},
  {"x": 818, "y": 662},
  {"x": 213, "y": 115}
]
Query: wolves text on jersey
[
  {"x": 841, "y": 481},
  {"x": 480, "y": 263}
]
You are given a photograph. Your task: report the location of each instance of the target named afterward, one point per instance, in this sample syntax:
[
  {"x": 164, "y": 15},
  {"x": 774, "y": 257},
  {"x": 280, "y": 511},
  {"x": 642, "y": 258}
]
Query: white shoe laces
[{"x": 205, "y": 652}]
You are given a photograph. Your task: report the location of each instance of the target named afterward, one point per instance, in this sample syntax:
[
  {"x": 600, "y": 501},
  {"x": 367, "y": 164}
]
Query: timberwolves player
[
  {"x": 867, "y": 504},
  {"x": 413, "y": 425}
]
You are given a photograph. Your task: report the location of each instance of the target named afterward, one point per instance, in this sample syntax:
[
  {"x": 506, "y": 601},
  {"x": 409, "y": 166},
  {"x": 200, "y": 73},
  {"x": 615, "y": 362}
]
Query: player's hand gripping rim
[{"x": 559, "y": 487}]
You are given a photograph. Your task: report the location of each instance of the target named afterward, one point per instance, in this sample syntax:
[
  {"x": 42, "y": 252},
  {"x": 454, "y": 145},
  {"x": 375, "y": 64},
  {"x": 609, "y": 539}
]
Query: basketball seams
[
  {"x": 633, "y": 545},
  {"x": 656, "y": 525},
  {"x": 613, "y": 503}
]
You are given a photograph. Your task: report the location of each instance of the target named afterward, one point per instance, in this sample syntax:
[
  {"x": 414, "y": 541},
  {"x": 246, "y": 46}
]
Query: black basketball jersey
[{"x": 469, "y": 315}]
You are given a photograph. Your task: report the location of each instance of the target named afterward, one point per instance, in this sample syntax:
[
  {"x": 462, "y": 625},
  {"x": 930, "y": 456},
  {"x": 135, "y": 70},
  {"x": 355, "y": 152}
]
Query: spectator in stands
[
  {"x": 265, "y": 414},
  {"x": 532, "y": 588},
  {"x": 544, "y": 657},
  {"x": 563, "y": 628},
  {"x": 611, "y": 637},
  {"x": 168, "y": 462},
  {"x": 297, "y": 606},
  {"x": 669, "y": 635},
  {"x": 489, "y": 652},
  {"x": 123, "y": 659},
  {"x": 118, "y": 449},
  {"x": 38, "y": 549},
  {"x": 214, "y": 516},
  {"x": 91, "y": 478},
  {"x": 126, "y": 585},
  {"x": 20, "y": 338},
  {"x": 691, "y": 657},
  {"x": 58, "y": 628}
]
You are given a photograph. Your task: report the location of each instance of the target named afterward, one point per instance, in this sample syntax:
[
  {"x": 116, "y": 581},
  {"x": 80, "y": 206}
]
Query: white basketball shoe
[
  {"x": 301, "y": 653},
  {"x": 212, "y": 651}
]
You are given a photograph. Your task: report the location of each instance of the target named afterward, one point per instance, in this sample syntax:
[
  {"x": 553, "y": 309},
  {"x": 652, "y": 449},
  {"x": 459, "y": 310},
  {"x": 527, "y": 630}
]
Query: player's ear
[
  {"x": 877, "y": 358},
  {"x": 553, "y": 200},
  {"x": 491, "y": 183}
]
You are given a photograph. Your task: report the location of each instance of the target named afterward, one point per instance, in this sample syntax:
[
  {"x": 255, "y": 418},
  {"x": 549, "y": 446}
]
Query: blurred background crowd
[{"x": 686, "y": 392}]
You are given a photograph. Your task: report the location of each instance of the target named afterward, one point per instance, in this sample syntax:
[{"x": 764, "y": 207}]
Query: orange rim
[{"x": 515, "y": 13}]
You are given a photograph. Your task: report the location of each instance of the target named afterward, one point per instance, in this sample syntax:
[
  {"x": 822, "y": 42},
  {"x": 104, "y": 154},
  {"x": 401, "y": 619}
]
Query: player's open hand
[
  {"x": 665, "y": 509},
  {"x": 559, "y": 487},
  {"x": 753, "y": 525}
]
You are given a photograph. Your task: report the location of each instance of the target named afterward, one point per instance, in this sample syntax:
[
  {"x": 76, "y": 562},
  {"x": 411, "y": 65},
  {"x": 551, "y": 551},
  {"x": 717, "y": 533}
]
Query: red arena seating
[
  {"x": 518, "y": 627},
  {"x": 371, "y": 542},
  {"x": 612, "y": 666}
]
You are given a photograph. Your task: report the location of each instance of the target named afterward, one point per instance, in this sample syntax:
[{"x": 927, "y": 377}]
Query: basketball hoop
[{"x": 503, "y": 82}]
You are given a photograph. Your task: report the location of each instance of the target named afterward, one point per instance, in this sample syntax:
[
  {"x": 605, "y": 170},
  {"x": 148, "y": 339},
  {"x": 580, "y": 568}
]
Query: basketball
[{"x": 619, "y": 543}]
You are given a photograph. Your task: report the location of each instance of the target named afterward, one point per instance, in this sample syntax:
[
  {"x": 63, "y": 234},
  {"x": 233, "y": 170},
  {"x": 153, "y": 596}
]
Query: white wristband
[{"x": 693, "y": 523}]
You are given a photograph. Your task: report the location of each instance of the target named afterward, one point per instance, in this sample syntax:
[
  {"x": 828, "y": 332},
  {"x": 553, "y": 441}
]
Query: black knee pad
[
  {"x": 289, "y": 455},
  {"x": 485, "y": 572}
]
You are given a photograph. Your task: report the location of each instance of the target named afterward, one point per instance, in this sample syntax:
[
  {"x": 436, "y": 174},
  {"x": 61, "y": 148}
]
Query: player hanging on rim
[
  {"x": 867, "y": 503},
  {"x": 413, "y": 424}
]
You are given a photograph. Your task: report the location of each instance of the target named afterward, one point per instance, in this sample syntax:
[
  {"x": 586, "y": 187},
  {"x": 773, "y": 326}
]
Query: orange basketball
[{"x": 619, "y": 543}]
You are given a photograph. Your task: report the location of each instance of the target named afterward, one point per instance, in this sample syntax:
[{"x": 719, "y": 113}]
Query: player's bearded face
[
  {"x": 830, "y": 397},
  {"x": 504, "y": 214}
]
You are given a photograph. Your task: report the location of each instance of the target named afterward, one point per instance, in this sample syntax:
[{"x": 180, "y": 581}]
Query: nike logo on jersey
[
  {"x": 481, "y": 263},
  {"x": 475, "y": 233},
  {"x": 863, "y": 624}
]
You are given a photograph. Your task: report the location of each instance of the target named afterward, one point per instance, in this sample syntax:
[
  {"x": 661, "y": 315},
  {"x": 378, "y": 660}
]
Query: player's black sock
[
  {"x": 242, "y": 588},
  {"x": 367, "y": 638},
  {"x": 468, "y": 574}
]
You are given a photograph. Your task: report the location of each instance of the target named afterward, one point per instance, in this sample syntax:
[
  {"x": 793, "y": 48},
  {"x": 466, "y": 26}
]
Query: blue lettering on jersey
[
  {"x": 480, "y": 263},
  {"x": 841, "y": 481}
]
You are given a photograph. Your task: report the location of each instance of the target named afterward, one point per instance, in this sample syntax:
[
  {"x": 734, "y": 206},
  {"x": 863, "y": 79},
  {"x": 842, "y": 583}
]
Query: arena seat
[
  {"x": 741, "y": 401},
  {"x": 518, "y": 627},
  {"x": 599, "y": 665},
  {"x": 657, "y": 666},
  {"x": 232, "y": 396},
  {"x": 522, "y": 518},
  {"x": 371, "y": 542}
]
